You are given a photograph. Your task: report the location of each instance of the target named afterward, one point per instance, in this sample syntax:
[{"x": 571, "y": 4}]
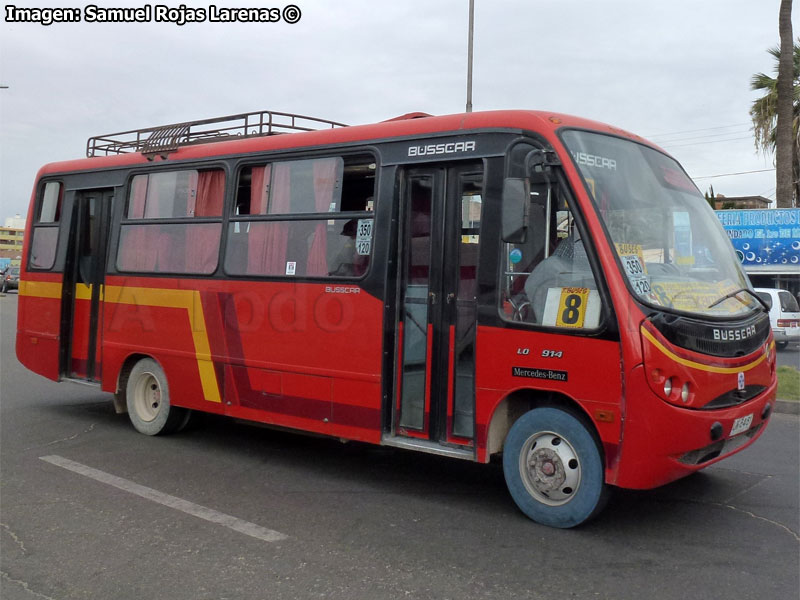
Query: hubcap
[
  {"x": 147, "y": 397},
  {"x": 550, "y": 468}
]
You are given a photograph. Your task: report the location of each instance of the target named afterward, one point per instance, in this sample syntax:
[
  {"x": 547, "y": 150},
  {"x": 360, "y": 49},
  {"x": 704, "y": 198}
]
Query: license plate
[{"x": 742, "y": 424}]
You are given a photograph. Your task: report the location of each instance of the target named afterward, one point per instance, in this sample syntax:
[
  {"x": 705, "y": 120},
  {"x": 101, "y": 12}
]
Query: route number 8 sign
[{"x": 575, "y": 307}]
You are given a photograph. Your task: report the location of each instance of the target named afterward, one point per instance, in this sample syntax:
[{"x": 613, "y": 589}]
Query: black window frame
[
  {"x": 186, "y": 220},
  {"x": 231, "y": 218},
  {"x": 55, "y": 224}
]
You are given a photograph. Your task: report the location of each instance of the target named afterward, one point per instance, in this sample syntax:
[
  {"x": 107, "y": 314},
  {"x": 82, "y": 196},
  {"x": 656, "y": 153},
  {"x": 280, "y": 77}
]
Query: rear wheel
[
  {"x": 781, "y": 345},
  {"x": 554, "y": 469},
  {"x": 147, "y": 398}
]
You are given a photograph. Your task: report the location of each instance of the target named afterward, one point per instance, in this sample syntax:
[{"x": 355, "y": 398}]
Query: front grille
[
  {"x": 714, "y": 338},
  {"x": 734, "y": 397}
]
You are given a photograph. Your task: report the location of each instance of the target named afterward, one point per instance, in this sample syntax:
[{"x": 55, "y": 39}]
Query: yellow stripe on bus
[
  {"x": 188, "y": 300},
  {"x": 83, "y": 291},
  {"x": 40, "y": 289},
  {"x": 699, "y": 366}
]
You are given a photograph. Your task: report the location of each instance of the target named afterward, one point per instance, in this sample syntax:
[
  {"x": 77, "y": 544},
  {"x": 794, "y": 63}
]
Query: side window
[
  {"x": 788, "y": 302},
  {"x": 303, "y": 218},
  {"x": 186, "y": 238},
  {"x": 44, "y": 238},
  {"x": 547, "y": 280}
]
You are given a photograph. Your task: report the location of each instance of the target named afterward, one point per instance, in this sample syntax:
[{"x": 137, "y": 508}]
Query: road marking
[{"x": 190, "y": 508}]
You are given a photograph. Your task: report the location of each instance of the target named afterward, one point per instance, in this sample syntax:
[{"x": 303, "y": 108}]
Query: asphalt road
[
  {"x": 789, "y": 356},
  {"x": 357, "y": 521}
]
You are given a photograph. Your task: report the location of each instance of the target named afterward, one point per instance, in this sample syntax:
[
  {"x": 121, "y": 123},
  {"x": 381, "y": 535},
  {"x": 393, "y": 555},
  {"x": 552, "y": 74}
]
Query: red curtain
[
  {"x": 259, "y": 190},
  {"x": 210, "y": 193},
  {"x": 137, "y": 197},
  {"x": 267, "y": 241},
  {"x": 138, "y": 249},
  {"x": 202, "y": 240},
  {"x": 324, "y": 185}
]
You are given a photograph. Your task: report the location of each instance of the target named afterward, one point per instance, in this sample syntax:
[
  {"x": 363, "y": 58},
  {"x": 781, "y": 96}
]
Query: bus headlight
[{"x": 668, "y": 387}]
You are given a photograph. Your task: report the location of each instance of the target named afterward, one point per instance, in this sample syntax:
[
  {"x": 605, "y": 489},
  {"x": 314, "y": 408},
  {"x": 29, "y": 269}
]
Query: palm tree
[{"x": 764, "y": 114}]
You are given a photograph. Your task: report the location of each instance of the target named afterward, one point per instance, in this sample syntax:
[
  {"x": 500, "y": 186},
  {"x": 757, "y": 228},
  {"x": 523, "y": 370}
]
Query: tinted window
[
  {"x": 177, "y": 243},
  {"x": 270, "y": 235},
  {"x": 44, "y": 236},
  {"x": 788, "y": 302},
  {"x": 50, "y": 207},
  {"x": 43, "y": 247},
  {"x": 176, "y": 194},
  {"x": 766, "y": 298}
]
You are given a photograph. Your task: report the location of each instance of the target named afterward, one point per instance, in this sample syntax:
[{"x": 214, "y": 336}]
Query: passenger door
[
  {"x": 82, "y": 292},
  {"x": 436, "y": 322}
]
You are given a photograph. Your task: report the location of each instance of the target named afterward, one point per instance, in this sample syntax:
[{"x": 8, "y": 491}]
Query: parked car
[
  {"x": 10, "y": 280},
  {"x": 784, "y": 315}
]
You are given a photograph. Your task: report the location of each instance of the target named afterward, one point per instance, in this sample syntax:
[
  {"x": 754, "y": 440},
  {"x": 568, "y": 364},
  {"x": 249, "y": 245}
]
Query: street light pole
[{"x": 469, "y": 54}]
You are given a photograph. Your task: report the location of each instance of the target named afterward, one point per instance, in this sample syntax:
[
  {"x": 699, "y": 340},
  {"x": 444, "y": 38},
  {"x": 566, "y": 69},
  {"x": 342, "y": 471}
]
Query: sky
[{"x": 676, "y": 72}]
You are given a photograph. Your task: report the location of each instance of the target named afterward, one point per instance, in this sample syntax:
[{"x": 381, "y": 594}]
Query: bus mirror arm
[
  {"x": 541, "y": 162},
  {"x": 515, "y": 209},
  {"x": 516, "y": 193}
]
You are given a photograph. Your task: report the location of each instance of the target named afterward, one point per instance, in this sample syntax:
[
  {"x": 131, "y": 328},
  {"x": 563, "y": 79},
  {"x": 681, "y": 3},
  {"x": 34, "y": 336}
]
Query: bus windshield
[{"x": 671, "y": 246}]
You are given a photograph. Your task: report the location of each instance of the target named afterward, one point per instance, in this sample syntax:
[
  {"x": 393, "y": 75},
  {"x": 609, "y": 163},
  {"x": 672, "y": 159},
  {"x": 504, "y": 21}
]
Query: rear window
[
  {"x": 788, "y": 302},
  {"x": 766, "y": 298}
]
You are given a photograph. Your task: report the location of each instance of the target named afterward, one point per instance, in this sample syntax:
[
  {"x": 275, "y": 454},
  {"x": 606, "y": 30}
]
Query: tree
[
  {"x": 711, "y": 198},
  {"x": 774, "y": 130},
  {"x": 785, "y": 142}
]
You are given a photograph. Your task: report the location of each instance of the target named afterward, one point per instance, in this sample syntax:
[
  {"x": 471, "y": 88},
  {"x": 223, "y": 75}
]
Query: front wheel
[
  {"x": 147, "y": 399},
  {"x": 781, "y": 345},
  {"x": 554, "y": 469}
]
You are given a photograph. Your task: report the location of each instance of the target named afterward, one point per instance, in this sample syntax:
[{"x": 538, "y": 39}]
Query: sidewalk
[{"x": 787, "y": 407}]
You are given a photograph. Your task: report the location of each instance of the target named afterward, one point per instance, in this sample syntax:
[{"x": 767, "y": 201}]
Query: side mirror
[{"x": 516, "y": 200}]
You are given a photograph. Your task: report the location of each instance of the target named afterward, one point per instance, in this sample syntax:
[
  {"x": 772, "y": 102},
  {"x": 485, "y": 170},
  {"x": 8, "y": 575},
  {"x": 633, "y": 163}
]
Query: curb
[{"x": 787, "y": 407}]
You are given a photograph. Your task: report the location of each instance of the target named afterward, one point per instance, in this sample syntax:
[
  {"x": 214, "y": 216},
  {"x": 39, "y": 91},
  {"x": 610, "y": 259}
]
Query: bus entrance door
[
  {"x": 82, "y": 293},
  {"x": 436, "y": 324}
]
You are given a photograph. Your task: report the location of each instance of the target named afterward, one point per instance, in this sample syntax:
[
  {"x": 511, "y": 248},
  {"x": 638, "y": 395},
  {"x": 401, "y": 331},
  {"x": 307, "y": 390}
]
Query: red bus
[{"x": 526, "y": 284}]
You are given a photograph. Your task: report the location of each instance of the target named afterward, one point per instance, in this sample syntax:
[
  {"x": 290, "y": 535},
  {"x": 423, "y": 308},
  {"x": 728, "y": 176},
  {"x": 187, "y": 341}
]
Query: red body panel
[
  {"x": 39, "y": 325},
  {"x": 278, "y": 350},
  {"x": 657, "y": 434},
  {"x": 592, "y": 368}
]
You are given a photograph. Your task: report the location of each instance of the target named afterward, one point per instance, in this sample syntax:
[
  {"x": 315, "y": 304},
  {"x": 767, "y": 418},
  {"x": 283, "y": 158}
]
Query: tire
[
  {"x": 554, "y": 468},
  {"x": 147, "y": 400},
  {"x": 781, "y": 345}
]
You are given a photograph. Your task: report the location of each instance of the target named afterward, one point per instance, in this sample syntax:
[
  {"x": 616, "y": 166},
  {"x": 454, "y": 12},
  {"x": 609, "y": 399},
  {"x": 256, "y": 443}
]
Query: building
[
  {"x": 740, "y": 202},
  {"x": 11, "y": 237},
  {"x": 17, "y": 222}
]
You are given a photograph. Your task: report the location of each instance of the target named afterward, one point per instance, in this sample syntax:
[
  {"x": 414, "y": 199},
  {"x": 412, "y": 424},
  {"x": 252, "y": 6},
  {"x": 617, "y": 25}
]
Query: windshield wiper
[{"x": 739, "y": 291}]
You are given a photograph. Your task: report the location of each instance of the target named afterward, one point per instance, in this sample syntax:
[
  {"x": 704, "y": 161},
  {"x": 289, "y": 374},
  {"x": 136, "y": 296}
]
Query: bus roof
[{"x": 410, "y": 125}]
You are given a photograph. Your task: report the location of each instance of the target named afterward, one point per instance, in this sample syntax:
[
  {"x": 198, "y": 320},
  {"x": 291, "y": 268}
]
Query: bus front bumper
[{"x": 663, "y": 442}]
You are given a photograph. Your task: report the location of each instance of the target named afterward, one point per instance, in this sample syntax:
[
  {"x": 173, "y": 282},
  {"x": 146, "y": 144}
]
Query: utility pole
[{"x": 469, "y": 54}]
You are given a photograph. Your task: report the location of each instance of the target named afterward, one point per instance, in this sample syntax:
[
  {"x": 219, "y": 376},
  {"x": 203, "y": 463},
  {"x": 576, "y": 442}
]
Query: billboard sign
[{"x": 764, "y": 237}]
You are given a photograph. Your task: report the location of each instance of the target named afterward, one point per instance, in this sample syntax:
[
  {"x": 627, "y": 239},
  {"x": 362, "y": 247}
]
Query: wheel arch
[
  {"x": 120, "y": 391},
  {"x": 519, "y": 402}
]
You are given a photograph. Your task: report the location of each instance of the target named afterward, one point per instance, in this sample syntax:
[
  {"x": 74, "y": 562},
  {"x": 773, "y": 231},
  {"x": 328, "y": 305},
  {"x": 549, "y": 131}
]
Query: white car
[{"x": 784, "y": 315}]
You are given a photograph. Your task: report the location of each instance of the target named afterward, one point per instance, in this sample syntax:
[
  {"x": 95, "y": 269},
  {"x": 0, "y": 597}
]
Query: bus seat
[{"x": 567, "y": 267}]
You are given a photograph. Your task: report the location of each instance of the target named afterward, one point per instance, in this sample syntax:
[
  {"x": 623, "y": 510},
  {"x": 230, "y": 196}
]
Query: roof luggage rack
[{"x": 151, "y": 141}]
